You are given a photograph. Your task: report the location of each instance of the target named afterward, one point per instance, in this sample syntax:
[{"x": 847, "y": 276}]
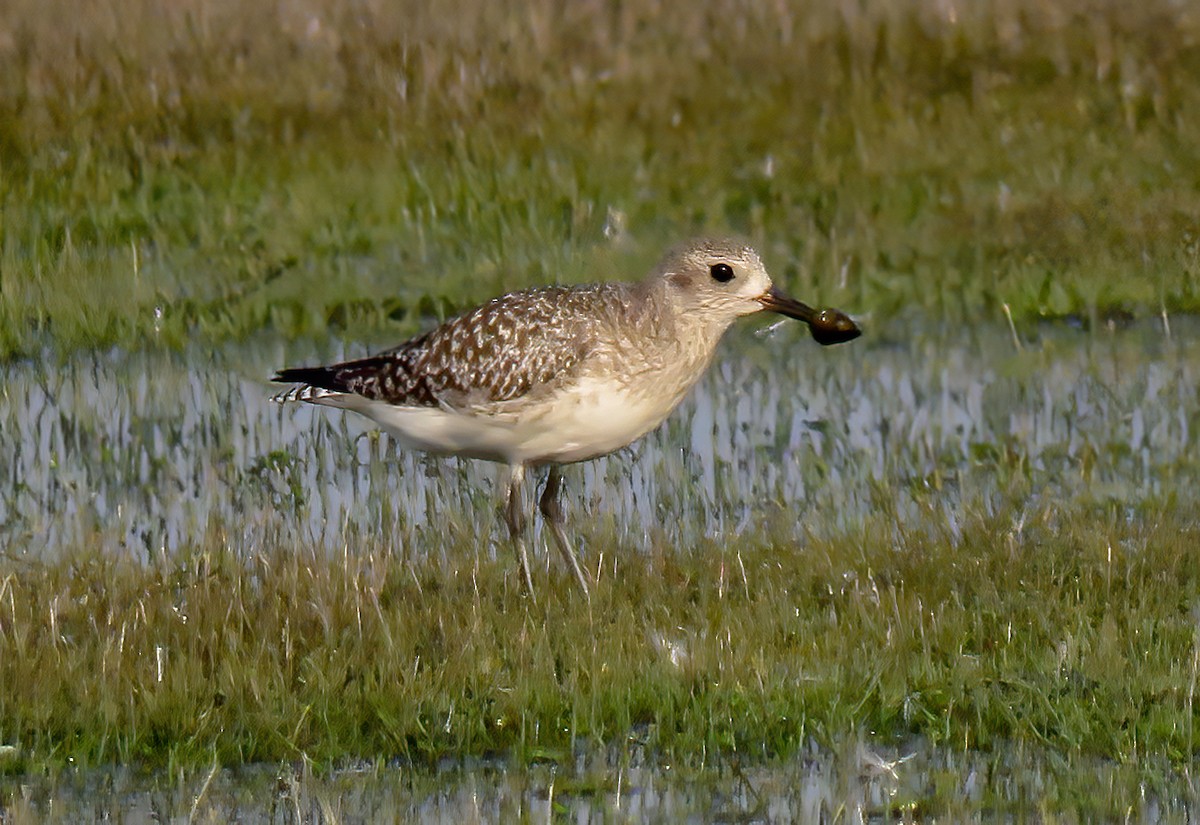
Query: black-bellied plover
[{"x": 554, "y": 375}]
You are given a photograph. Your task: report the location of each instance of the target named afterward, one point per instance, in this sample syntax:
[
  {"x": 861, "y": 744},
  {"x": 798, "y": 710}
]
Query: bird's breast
[
  {"x": 609, "y": 407},
  {"x": 593, "y": 418}
]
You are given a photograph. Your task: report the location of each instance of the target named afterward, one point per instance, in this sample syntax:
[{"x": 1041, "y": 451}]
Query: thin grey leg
[
  {"x": 551, "y": 507},
  {"x": 514, "y": 517}
]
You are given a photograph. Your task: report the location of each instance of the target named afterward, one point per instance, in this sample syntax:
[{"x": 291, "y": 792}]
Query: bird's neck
[{"x": 668, "y": 349}]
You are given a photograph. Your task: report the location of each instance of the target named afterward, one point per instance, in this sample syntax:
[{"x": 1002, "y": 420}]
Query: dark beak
[{"x": 828, "y": 326}]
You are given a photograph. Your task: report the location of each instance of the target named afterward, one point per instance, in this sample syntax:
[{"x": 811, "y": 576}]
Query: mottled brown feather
[{"x": 502, "y": 351}]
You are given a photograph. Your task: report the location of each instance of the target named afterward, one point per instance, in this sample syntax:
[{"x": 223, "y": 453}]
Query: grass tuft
[
  {"x": 214, "y": 168},
  {"x": 1072, "y": 630}
]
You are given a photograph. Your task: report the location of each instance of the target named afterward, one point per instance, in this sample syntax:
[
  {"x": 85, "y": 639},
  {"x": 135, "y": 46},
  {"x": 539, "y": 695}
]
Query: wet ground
[
  {"x": 138, "y": 453},
  {"x": 855, "y": 784}
]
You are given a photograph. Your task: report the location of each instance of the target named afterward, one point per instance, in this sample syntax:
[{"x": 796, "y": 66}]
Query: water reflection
[
  {"x": 140, "y": 453},
  {"x": 855, "y": 784}
]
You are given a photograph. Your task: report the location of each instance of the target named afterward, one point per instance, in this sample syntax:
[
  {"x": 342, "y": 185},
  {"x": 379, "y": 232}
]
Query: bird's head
[{"x": 721, "y": 280}]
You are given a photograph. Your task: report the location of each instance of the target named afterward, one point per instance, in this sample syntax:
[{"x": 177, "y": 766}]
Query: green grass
[
  {"x": 212, "y": 170},
  {"x": 1069, "y": 630}
]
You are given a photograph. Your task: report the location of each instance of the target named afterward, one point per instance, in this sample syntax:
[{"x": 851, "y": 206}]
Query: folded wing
[{"x": 508, "y": 348}]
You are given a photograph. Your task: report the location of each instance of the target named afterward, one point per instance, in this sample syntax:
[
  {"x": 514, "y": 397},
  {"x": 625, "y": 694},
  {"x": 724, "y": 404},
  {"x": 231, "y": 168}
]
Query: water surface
[
  {"x": 855, "y": 784},
  {"x": 141, "y": 453}
]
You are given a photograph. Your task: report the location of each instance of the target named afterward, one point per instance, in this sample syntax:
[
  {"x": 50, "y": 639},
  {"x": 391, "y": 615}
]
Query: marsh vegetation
[{"x": 970, "y": 535}]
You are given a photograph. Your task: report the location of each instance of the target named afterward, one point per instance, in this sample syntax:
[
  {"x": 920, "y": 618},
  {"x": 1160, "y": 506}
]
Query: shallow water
[
  {"x": 141, "y": 453},
  {"x": 855, "y": 784}
]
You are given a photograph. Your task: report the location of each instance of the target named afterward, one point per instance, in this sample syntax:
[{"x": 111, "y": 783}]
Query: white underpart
[{"x": 590, "y": 419}]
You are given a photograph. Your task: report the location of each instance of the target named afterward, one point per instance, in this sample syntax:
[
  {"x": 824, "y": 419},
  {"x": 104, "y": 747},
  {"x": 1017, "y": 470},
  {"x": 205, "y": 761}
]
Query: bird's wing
[{"x": 504, "y": 350}]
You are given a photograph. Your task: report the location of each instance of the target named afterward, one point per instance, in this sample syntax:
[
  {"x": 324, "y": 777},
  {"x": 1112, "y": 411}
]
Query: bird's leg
[
  {"x": 514, "y": 517},
  {"x": 551, "y": 507}
]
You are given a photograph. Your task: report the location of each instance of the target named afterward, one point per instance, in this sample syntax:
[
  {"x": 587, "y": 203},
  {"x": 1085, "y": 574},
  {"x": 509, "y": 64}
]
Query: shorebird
[{"x": 559, "y": 374}]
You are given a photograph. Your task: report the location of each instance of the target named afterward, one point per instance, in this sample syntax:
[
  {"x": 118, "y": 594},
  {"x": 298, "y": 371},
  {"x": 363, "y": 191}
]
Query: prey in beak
[{"x": 828, "y": 326}]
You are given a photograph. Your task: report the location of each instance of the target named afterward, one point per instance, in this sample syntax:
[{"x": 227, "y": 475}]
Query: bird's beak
[{"x": 828, "y": 326}]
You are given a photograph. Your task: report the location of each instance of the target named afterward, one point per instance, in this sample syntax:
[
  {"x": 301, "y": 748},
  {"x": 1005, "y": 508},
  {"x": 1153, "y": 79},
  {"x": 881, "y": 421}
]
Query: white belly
[{"x": 582, "y": 422}]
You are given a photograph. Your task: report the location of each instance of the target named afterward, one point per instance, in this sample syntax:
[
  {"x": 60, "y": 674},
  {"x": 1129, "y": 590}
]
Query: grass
[
  {"x": 1069, "y": 630},
  {"x": 212, "y": 170}
]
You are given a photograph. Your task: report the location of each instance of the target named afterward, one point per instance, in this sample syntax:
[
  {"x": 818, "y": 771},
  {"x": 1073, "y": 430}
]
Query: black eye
[{"x": 721, "y": 272}]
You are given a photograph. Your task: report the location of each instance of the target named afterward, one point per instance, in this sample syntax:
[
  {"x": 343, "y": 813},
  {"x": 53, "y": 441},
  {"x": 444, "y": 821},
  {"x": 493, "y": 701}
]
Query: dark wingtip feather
[{"x": 324, "y": 377}]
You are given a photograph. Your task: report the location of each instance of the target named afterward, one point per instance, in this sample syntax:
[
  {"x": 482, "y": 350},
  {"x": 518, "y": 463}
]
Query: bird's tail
[{"x": 316, "y": 385}]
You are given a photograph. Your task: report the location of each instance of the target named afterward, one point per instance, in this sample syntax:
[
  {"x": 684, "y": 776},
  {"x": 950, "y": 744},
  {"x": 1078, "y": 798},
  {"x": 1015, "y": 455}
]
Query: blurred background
[{"x": 211, "y": 167}]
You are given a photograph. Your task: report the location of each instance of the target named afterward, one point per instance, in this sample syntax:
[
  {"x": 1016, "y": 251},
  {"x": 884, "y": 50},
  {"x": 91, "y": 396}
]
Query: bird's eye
[{"x": 721, "y": 272}]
